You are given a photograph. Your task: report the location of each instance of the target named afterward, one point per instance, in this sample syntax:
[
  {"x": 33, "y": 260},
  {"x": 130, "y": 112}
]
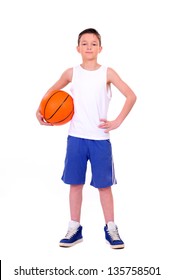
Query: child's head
[{"x": 90, "y": 31}]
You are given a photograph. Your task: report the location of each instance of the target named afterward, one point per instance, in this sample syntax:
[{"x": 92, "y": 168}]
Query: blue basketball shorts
[{"x": 98, "y": 152}]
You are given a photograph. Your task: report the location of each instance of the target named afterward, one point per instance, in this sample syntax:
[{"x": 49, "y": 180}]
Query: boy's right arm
[{"x": 64, "y": 80}]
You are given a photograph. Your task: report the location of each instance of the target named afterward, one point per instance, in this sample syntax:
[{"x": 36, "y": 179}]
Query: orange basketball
[{"x": 57, "y": 107}]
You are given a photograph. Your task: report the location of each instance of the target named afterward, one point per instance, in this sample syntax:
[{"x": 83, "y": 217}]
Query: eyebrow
[{"x": 82, "y": 41}]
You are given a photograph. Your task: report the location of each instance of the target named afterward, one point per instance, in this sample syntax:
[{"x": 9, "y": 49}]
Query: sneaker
[
  {"x": 73, "y": 236},
  {"x": 112, "y": 236}
]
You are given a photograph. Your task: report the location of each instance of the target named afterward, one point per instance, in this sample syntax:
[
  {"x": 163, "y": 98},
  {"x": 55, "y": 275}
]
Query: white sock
[
  {"x": 111, "y": 225},
  {"x": 73, "y": 224}
]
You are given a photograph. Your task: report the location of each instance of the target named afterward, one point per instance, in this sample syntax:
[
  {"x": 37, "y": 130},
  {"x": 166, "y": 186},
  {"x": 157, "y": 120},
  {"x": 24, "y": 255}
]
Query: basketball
[{"x": 57, "y": 107}]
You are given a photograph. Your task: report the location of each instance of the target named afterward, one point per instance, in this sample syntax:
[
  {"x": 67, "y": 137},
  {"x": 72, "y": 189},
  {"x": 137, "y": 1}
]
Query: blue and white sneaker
[
  {"x": 112, "y": 236},
  {"x": 73, "y": 236}
]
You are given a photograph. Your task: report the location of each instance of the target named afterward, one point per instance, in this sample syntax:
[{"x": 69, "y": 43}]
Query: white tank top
[{"x": 91, "y": 96}]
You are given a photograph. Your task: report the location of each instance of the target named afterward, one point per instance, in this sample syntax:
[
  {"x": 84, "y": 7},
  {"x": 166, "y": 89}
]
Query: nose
[{"x": 89, "y": 47}]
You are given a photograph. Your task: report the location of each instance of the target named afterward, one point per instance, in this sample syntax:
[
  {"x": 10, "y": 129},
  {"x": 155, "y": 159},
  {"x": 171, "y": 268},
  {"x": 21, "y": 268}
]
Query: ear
[
  {"x": 100, "y": 49},
  {"x": 78, "y": 49}
]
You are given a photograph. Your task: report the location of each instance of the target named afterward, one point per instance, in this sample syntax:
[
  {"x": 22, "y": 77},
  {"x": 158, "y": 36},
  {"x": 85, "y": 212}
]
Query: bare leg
[
  {"x": 106, "y": 199},
  {"x": 75, "y": 199}
]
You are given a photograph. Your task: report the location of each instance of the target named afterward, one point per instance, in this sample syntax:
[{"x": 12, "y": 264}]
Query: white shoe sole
[
  {"x": 70, "y": 244},
  {"x": 119, "y": 246}
]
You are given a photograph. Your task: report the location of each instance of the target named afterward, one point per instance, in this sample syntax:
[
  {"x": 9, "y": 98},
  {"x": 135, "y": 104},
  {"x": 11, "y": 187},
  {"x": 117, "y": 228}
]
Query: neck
[{"x": 90, "y": 65}]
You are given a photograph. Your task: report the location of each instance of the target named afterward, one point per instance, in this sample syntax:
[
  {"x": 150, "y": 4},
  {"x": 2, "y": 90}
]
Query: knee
[
  {"x": 105, "y": 190},
  {"x": 76, "y": 188}
]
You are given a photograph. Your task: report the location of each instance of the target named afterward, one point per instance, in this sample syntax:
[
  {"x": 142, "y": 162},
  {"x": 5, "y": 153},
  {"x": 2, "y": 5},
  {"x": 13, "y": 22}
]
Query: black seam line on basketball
[
  {"x": 65, "y": 117},
  {"x": 58, "y": 108},
  {"x": 47, "y": 103}
]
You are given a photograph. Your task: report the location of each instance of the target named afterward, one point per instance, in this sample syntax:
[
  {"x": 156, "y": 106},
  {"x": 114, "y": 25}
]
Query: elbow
[{"x": 133, "y": 98}]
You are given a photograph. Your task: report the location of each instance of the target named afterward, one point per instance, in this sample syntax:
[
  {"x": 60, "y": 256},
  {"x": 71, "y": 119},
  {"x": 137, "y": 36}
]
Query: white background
[{"x": 38, "y": 42}]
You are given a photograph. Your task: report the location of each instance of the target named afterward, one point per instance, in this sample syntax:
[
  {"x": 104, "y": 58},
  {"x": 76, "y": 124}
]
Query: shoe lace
[
  {"x": 114, "y": 234},
  {"x": 70, "y": 232}
]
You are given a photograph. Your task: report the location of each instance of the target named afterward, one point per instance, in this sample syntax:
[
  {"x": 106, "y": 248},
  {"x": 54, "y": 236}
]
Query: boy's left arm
[{"x": 114, "y": 78}]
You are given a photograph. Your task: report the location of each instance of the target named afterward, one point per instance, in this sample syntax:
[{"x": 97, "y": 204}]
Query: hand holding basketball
[
  {"x": 41, "y": 118},
  {"x": 56, "y": 108}
]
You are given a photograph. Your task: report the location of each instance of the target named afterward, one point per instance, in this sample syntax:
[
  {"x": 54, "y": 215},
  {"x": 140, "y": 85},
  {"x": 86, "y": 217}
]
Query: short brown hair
[{"x": 91, "y": 31}]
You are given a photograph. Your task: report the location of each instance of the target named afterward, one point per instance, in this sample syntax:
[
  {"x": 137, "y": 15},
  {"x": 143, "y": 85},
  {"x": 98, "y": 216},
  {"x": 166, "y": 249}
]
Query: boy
[{"x": 88, "y": 137}]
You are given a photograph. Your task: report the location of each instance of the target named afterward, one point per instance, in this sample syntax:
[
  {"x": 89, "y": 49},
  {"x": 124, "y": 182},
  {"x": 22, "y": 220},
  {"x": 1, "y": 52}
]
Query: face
[{"x": 89, "y": 46}]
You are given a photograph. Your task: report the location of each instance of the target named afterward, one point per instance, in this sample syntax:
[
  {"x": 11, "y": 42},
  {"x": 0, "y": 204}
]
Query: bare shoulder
[
  {"x": 114, "y": 78},
  {"x": 65, "y": 79},
  {"x": 67, "y": 74},
  {"x": 112, "y": 75}
]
